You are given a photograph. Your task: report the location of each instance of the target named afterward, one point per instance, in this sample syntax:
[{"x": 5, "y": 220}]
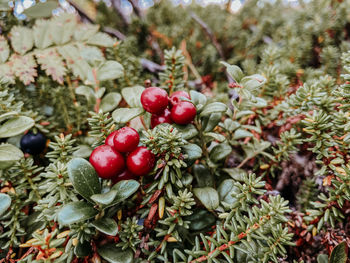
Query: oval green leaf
[
  {"x": 16, "y": 126},
  {"x": 76, "y": 212},
  {"x": 83, "y": 177},
  {"x": 8, "y": 155},
  {"x": 107, "y": 226},
  {"x": 5, "y": 202},
  {"x": 219, "y": 152},
  {"x": 124, "y": 115},
  {"x": 208, "y": 196},
  {"x": 116, "y": 255},
  {"x": 110, "y": 101}
]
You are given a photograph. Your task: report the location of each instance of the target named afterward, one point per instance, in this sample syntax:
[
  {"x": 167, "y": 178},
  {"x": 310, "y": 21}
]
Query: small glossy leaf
[
  {"x": 227, "y": 191},
  {"x": 83, "y": 151},
  {"x": 210, "y": 122},
  {"x": 124, "y": 115},
  {"x": 5, "y": 202},
  {"x": 82, "y": 249},
  {"x": 241, "y": 133},
  {"x": 41, "y": 10},
  {"x": 200, "y": 219},
  {"x": 322, "y": 258},
  {"x": 213, "y": 108},
  {"x": 110, "y": 101},
  {"x": 110, "y": 70},
  {"x": 219, "y": 152},
  {"x": 235, "y": 173},
  {"x": 83, "y": 177},
  {"x": 88, "y": 92},
  {"x": 107, "y": 226},
  {"x": 203, "y": 176},
  {"x": 208, "y": 196},
  {"x": 216, "y": 136},
  {"x": 339, "y": 254},
  {"x": 187, "y": 132},
  {"x": 124, "y": 189},
  {"x": 193, "y": 151},
  {"x": 234, "y": 71},
  {"x": 105, "y": 198},
  {"x": 76, "y": 212},
  {"x": 116, "y": 255},
  {"x": 198, "y": 99},
  {"x": 132, "y": 96},
  {"x": 16, "y": 126},
  {"x": 8, "y": 155},
  {"x": 253, "y": 82}
]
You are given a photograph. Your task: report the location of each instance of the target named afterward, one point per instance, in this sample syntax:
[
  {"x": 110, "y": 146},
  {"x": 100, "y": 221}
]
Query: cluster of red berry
[
  {"x": 156, "y": 101},
  {"x": 109, "y": 159}
]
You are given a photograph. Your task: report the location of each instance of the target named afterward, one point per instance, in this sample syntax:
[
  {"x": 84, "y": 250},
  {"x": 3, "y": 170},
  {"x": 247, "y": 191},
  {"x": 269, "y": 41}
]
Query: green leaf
[
  {"x": 107, "y": 226},
  {"x": 203, "y": 176},
  {"x": 110, "y": 70},
  {"x": 105, "y": 198},
  {"x": 83, "y": 177},
  {"x": 124, "y": 190},
  {"x": 42, "y": 34},
  {"x": 41, "y": 10},
  {"x": 339, "y": 253},
  {"x": 124, "y": 115},
  {"x": 101, "y": 39},
  {"x": 82, "y": 249},
  {"x": 234, "y": 71},
  {"x": 187, "y": 131},
  {"x": 132, "y": 96},
  {"x": 213, "y": 108},
  {"x": 110, "y": 101},
  {"x": 198, "y": 99},
  {"x": 255, "y": 148},
  {"x": 208, "y": 196},
  {"x": 9, "y": 154},
  {"x": 76, "y": 212},
  {"x": 241, "y": 133},
  {"x": 21, "y": 39},
  {"x": 216, "y": 136},
  {"x": 16, "y": 126},
  {"x": 88, "y": 92},
  {"x": 116, "y": 255},
  {"x": 210, "y": 122},
  {"x": 4, "y": 49},
  {"x": 193, "y": 151},
  {"x": 219, "y": 152},
  {"x": 322, "y": 258},
  {"x": 200, "y": 219},
  {"x": 235, "y": 173},
  {"x": 227, "y": 191},
  {"x": 253, "y": 82},
  {"x": 83, "y": 151},
  {"x": 5, "y": 203}
]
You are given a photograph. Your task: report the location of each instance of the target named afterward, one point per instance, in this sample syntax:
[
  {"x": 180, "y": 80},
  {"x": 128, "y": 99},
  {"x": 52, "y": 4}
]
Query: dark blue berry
[{"x": 33, "y": 143}]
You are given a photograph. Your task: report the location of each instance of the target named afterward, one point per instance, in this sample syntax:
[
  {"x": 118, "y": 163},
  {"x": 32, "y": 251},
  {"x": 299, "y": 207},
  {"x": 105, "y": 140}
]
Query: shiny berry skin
[
  {"x": 177, "y": 96},
  {"x": 164, "y": 117},
  {"x": 183, "y": 113},
  {"x": 126, "y": 175},
  {"x": 109, "y": 140},
  {"x": 33, "y": 143},
  {"x": 126, "y": 140},
  {"x": 154, "y": 100},
  {"x": 107, "y": 161},
  {"x": 141, "y": 161}
]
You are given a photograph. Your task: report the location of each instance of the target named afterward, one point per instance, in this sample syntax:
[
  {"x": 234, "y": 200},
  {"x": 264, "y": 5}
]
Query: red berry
[
  {"x": 126, "y": 175},
  {"x": 177, "y": 96},
  {"x": 109, "y": 140},
  {"x": 107, "y": 161},
  {"x": 126, "y": 139},
  {"x": 141, "y": 161},
  {"x": 154, "y": 100},
  {"x": 164, "y": 117},
  {"x": 183, "y": 113}
]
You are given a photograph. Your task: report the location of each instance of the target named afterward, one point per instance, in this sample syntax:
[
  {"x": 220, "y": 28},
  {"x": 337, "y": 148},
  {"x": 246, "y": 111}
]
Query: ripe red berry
[
  {"x": 126, "y": 175},
  {"x": 177, "y": 96},
  {"x": 126, "y": 140},
  {"x": 154, "y": 100},
  {"x": 141, "y": 161},
  {"x": 183, "y": 113},
  {"x": 107, "y": 161},
  {"x": 109, "y": 140},
  {"x": 164, "y": 117}
]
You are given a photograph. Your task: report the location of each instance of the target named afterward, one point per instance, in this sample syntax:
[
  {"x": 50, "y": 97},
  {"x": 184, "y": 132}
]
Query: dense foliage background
[{"x": 262, "y": 173}]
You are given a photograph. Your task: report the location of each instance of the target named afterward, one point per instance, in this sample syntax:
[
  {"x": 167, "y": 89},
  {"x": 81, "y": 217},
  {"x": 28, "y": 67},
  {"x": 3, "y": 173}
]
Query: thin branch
[
  {"x": 209, "y": 33},
  {"x": 151, "y": 66},
  {"x": 117, "y": 7}
]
